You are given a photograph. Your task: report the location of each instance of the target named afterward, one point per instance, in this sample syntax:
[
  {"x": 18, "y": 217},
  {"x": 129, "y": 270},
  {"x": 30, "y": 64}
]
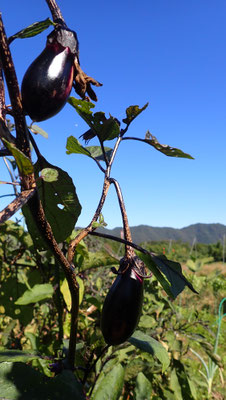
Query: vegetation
[{"x": 54, "y": 280}]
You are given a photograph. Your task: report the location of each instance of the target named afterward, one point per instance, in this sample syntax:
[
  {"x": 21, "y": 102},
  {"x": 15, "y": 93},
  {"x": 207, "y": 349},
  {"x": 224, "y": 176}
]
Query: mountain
[{"x": 203, "y": 233}]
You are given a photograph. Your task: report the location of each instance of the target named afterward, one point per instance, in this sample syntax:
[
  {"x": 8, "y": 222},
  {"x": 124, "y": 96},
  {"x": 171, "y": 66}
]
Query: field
[{"x": 186, "y": 354}]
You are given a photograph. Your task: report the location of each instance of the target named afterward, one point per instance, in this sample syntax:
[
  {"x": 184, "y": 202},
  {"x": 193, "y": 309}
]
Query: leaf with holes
[
  {"x": 164, "y": 148},
  {"x": 132, "y": 112},
  {"x": 60, "y": 203}
]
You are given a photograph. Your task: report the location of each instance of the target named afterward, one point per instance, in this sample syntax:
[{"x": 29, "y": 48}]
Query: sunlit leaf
[
  {"x": 111, "y": 385},
  {"x": 36, "y": 294},
  {"x": 23, "y": 163},
  {"x": 164, "y": 148},
  {"x": 32, "y": 30},
  {"x": 73, "y": 146},
  {"x": 151, "y": 346},
  {"x": 60, "y": 203},
  {"x": 16, "y": 356},
  {"x": 132, "y": 112},
  {"x": 37, "y": 130},
  {"x": 49, "y": 174},
  {"x": 143, "y": 389}
]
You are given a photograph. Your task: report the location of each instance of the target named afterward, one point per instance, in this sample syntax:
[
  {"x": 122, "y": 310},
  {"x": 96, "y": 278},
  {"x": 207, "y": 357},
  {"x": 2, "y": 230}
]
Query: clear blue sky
[{"x": 168, "y": 53}]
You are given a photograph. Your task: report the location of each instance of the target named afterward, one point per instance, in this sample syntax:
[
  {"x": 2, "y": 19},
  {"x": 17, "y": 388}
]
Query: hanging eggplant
[
  {"x": 48, "y": 81},
  {"x": 122, "y": 307}
]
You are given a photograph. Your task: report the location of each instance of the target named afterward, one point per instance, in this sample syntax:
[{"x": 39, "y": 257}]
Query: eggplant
[
  {"x": 48, "y": 81},
  {"x": 122, "y": 307}
]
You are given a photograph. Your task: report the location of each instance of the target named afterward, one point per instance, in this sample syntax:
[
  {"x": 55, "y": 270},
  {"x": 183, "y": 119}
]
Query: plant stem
[
  {"x": 55, "y": 11},
  {"x": 89, "y": 228}
]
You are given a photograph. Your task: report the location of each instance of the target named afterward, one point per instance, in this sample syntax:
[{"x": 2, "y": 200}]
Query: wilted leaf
[
  {"x": 164, "y": 148},
  {"x": 152, "y": 346},
  {"x": 132, "y": 112},
  {"x": 36, "y": 294},
  {"x": 32, "y": 30}
]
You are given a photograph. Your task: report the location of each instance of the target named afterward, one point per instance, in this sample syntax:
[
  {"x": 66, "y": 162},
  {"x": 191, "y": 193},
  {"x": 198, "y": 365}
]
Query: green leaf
[
  {"x": 60, "y": 203},
  {"x": 64, "y": 288},
  {"x": 36, "y": 294},
  {"x": 32, "y": 30},
  {"x": 164, "y": 148},
  {"x": 160, "y": 265},
  {"x": 104, "y": 128},
  {"x": 49, "y": 174},
  {"x": 143, "y": 389},
  {"x": 37, "y": 130},
  {"x": 148, "y": 344},
  {"x": 23, "y": 163},
  {"x": 73, "y": 146},
  {"x": 147, "y": 259},
  {"x": 110, "y": 387},
  {"x": 173, "y": 271},
  {"x": 83, "y": 108},
  {"x": 132, "y": 112},
  {"x": 21, "y": 381},
  {"x": 16, "y": 356},
  {"x": 180, "y": 382},
  {"x": 96, "y": 152}
]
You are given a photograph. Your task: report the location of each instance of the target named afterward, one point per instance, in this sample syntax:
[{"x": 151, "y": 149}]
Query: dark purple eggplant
[
  {"x": 122, "y": 307},
  {"x": 48, "y": 81}
]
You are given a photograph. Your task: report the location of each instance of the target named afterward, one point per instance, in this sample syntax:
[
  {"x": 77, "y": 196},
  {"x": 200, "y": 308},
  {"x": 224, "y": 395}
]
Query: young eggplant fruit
[
  {"x": 122, "y": 307},
  {"x": 48, "y": 81}
]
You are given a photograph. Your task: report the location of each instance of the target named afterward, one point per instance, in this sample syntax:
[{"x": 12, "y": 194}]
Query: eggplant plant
[{"x": 45, "y": 90}]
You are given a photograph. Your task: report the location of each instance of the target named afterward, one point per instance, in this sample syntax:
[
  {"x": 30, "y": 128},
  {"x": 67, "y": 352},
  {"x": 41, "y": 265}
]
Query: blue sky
[{"x": 168, "y": 53}]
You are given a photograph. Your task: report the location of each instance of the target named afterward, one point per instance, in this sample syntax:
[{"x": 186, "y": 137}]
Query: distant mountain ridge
[{"x": 203, "y": 233}]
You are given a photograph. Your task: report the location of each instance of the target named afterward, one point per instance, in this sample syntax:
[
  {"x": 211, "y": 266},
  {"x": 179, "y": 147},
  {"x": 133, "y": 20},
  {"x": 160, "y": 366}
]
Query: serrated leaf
[
  {"x": 164, "y": 148},
  {"x": 32, "y": 30},
  {"x": 36, "y": 294},
  {"x": 16, "y": 356},
  {"x": 73, "y": 146},
  {"x": 143, "y": 389},
  {"x": 60, "y": 203},
  {"x": 37, "y": 130},
  {"x": 148, "y": 344},
  {"x": 23, "y": 162},
  {"x": 132, "y": 112},
  {"x": 49, "y": 174},
  {"x": 110, "y": 387}
]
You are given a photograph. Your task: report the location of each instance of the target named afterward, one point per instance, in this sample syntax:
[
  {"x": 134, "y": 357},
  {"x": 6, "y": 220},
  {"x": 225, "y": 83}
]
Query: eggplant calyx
[
  {"x": 135, "y": 263},
  {"x": 66, "y": 38}
]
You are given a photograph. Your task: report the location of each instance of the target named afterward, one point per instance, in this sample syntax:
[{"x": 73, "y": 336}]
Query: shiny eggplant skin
[
  {"x": 47, "y": 83},
  {"x": 122, "y": 308}
]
